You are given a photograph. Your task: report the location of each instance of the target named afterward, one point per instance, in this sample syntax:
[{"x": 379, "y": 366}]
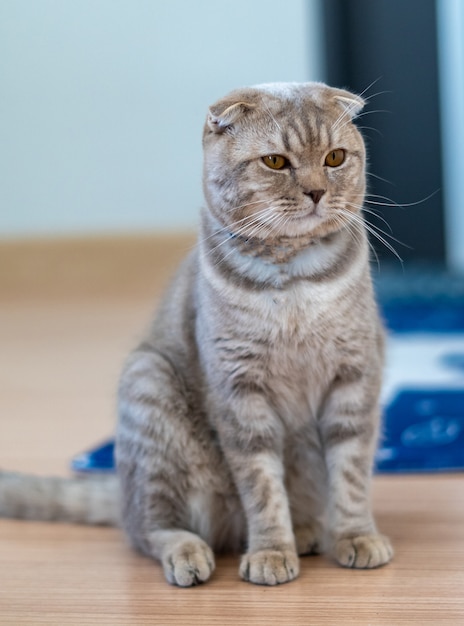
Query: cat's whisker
[
  {"x": 356, "y": 216},
  {"x": 256, "y": 214},
  {"x": 268, "y": 110},
  {"x": 403, "y": 204},
  {"x": 375, "y": 130},
  {"x": 346, "y": 113},
  {"x": 230, "y": 227},
  {"x": 253, "y": 220},
  {"x": 356, "y": 232},
  {"x": 344, "y": 219},
  {"x": 379, "y": 237},
  {"x": 384, "y": 180},
  {"x": 237, "y": 232},
  {"x": 276, "y": 222},
  {"x": 345, "y": 118},
  {"x": 376, "y": 95},
  {"x": 364, "y": 113},
  {"x": 264, "y": 225},
  {"x": 363, "y": 92},
  {"x": 337, "y": 124},
  {"x": 391, "y": 202},
  {"x": 247, "y": 204},
  {"x": 260, "y": 225},
  {"x": 282, "y": 223},
  {"x": 223, "y": 258},
  {"x": 376, "y": 214},
  {"x": 259, "y": 218},
  {"x": 375, "y": 232},
  {"x": 342, "y": 126},
  {"x": 379, "y": 217},
  {"x": 357, "y": 228}
]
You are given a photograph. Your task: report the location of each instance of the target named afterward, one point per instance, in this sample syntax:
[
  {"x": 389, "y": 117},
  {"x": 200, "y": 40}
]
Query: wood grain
[{"x": 61, "y": 351}]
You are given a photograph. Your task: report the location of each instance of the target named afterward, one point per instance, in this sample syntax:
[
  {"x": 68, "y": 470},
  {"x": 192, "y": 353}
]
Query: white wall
[
  {"x": 450, "y": 14},
  {"x": 102, "y": 102}
]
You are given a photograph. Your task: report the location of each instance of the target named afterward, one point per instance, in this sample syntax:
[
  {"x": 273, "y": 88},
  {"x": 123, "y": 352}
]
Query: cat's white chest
[
  {"x": 293, "y": 333},
  {"x": 294, "y": 314},
  {"x": 301, "y": 357}
]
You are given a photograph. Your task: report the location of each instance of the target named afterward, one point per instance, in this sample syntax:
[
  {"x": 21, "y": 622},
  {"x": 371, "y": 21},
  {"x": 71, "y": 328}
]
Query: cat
[{"x": 249, "y": 413}]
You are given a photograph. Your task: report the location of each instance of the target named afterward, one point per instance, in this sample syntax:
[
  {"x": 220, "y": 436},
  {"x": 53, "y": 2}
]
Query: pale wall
[
  {"x": 450, "y": 14},
  {"x": 103, "y": 101}
]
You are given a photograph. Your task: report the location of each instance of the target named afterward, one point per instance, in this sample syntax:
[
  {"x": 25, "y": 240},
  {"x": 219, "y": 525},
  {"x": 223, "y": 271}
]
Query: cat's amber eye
[
  {"x": 335, "y": 157},
  {"x": 275, "y": 161}
]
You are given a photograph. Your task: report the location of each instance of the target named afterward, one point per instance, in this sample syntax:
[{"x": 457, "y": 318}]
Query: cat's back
[{"x": 176, "y": 312}]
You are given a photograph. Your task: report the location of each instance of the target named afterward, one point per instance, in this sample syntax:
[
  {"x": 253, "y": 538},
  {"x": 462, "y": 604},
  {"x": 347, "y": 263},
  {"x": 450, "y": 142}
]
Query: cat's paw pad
[
  {"x": 308, "y": 539},
  {"x": 270, "y": 567},
  {"x": 188, "y": 563},
  {"x": 363, "y": 552}
]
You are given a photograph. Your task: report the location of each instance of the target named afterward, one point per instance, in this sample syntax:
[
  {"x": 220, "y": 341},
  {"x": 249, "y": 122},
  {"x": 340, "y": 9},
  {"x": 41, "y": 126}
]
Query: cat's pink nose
[{"x": 315, "y": 194}]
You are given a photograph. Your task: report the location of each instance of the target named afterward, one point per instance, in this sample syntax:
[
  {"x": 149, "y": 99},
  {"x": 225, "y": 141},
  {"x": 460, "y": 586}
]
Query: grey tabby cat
[{"x": 248, "y": 416}]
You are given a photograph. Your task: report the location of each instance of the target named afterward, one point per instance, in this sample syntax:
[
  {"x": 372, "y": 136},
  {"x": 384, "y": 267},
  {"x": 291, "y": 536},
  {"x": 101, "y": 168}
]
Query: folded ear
[
  {"x": 351, "y": 103},
  {"x": 223, "y": 115}
]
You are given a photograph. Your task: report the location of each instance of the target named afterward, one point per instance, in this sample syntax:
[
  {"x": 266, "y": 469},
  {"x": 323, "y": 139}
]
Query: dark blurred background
[{"x": 388, "y": 50}]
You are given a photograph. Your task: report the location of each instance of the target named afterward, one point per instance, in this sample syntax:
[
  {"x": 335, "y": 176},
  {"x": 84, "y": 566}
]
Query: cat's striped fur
[{"x": 248, "y": 416}]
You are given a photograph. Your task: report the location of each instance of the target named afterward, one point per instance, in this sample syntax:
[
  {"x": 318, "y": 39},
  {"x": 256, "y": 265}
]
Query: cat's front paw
[
  {"x": 363, "y": 552},
  {"x": 188, "y": 563},
  {"x": 270, "y": 567}
]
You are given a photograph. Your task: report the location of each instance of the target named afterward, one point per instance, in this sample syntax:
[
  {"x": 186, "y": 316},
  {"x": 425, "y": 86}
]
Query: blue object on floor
[
  {"x": 98, "y": 459},
  {"x": 420, "y": 317},
  {"x": 423, "y": 432}
]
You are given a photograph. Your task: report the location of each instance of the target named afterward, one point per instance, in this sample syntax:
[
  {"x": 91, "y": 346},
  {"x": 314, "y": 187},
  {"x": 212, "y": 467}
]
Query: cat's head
[{"x": 284, "y": 160}]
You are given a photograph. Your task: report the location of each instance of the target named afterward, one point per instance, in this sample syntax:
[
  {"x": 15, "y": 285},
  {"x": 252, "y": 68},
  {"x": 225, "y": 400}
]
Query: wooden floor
[{"x": 63, "y": 336}]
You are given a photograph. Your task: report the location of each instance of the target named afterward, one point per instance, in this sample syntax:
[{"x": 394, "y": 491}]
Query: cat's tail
[{"x": 92, "y": 500}]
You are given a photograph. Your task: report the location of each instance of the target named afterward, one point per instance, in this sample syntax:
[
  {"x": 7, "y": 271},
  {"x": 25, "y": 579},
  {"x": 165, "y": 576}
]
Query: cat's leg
[
  {"x": 161, "y": 458},
  {"x": 251, "y": 436},
  {"x": 349, "y": 428},
  {"x": 306, "y": 486}
]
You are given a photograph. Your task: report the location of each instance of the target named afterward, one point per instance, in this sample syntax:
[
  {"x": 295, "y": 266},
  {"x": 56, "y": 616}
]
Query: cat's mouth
[
  {"x": 317, "y": 221},
  {"x": 307, "y": 213}
]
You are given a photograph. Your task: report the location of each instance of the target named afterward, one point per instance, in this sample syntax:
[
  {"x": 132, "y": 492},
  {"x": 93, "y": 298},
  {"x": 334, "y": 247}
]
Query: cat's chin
[{"x": 303, "y": 224}]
